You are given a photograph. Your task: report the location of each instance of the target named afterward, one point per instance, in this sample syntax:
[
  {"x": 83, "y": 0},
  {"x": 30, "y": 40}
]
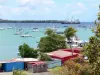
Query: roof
[
  {"x": 6, "y": 61},
  {"x": 78, "y": 49},
  {"x": 61, "y": 54},
  {"x": 37, "y": 63},
  {"x": 26, "y": 59},
  {"x": 19, "y": 60}
]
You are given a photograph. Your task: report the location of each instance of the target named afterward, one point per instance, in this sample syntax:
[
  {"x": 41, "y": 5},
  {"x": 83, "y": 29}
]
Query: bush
[
  {"x": 19, "y": 72},
  {"x": 73, "y": 68}
]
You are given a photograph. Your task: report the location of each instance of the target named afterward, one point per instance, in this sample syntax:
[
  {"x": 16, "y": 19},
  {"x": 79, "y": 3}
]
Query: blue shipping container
[
  {"x": 54, "y": 63},
  {"x": 8, "y": 67}
]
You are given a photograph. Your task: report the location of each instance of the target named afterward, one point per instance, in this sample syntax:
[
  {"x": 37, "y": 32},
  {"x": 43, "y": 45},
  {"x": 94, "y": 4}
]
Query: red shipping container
[
  {"x": 62, "y": 55},
  {"x": 75, "y": 50}
]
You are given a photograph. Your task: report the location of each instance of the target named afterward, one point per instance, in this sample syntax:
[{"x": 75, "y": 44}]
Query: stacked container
[
  {"x": 54, "y": 63},
  {"x": 10, "y": 66},
  {"x": 36, "y": 67}
]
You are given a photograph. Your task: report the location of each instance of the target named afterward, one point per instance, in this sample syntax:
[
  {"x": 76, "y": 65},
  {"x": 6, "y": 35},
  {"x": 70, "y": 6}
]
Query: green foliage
[
  {"x": 92, "y": 49},
  {"x": 73, "y": 68},
  {"x": 49, "y": 31},
  {"x": 96, "y": 68},
  {"x": 69, "y": 32},
  {"x": 44, "y": 57},
  {"x": 19, "y": 72},
  {"x": 51, "y": 42},
  {"x": 26, "y": 52},
  {"x": 0, "y": 65}
]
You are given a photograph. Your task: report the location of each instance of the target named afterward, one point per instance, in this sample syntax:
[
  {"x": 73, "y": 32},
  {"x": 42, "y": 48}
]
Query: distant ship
[{"x": 71, "y": 22}]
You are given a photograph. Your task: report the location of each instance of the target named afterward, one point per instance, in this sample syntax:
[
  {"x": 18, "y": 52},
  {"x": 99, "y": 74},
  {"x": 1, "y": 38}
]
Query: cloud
[
  {"x": 76, "y": 8},
  {"x": 36, "y": 3},
  {"x": 27, "y": 8},
  {"x": 38, "y": 6},
  {"x": 3, "y": 1},
  {"x": 45, "y": 9}
]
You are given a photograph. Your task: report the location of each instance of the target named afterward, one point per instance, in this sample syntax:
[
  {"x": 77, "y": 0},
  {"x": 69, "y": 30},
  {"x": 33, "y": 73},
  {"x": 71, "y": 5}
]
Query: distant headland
[{"x": 40, "y": 21}]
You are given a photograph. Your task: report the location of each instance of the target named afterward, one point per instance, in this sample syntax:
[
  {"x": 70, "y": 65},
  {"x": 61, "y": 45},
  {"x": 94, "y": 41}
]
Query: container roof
[
  {"x": 61, "y": 54},
  {"x": 37, "y": 63},
  {"x": 19, "y": 60},
  {"x": 78, "y": 49},
  {"x": 26, "y": 59}
]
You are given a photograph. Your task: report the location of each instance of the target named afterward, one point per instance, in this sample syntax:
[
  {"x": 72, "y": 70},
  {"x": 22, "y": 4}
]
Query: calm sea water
[{"x": 9, "y": 42}]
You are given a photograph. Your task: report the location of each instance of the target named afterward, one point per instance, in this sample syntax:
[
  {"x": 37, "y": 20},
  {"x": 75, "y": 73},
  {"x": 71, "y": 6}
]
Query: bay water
[{"x": 9, "y": 42}]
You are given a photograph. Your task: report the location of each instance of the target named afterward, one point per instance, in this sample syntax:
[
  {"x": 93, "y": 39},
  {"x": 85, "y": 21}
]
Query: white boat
[
  {"x": 2, "y": 28},
  {"x": 17, "y": 33},
  {"x": 35, "y": 30},
  {"x": 26, "y": 35},
  {"x": 10, "y": 27}
]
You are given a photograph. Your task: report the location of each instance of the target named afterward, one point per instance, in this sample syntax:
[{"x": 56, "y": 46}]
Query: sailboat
[{"x": 26, "y": 35}]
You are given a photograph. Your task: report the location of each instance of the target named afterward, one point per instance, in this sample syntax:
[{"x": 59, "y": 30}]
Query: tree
[
  {"x": 27, "y": 52},
  {"x": 44, "y": 57},
  {"x": 51, "y": 42},
  {"x": 92, "y": 49},
  {"x": 69, "y": 32},
  {"x": 49, "y": 31}
]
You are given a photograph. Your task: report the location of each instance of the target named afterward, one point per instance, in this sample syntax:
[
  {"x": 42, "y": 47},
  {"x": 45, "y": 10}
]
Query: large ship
[{"x": 71, "y": 22}]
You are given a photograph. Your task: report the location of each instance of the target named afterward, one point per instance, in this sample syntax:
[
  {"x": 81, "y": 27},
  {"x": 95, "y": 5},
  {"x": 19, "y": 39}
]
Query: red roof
[
  {"x": 37, "y": 62},
  {"x": 61, "y": 54},
  {"x": 76, "y": 50}
]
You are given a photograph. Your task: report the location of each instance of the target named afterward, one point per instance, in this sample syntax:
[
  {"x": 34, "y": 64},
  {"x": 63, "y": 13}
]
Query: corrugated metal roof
[
  {"x": 78, "y": 49},
  {"x": 19, "y": 60},
  {"x": 26, "y": 59},
  {"x": 37, "y": 62},
  {"x": 61, "y": 54}
]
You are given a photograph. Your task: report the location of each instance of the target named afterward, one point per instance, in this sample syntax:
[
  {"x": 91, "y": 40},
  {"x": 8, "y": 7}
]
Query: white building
[{"x": 75, "y": 42}]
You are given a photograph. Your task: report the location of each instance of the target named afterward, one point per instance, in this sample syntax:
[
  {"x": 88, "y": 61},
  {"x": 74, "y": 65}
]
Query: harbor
[{"x": 23, "y": 33}]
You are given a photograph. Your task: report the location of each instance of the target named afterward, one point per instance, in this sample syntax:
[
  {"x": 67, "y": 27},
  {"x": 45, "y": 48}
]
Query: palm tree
[{"x": 69, "y": 32}]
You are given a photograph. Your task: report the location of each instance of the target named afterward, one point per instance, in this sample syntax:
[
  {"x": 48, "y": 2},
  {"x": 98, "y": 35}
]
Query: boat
[
  {"x": 26, "y": 35},
  {"x": 35, "y": 30},
  {"x": 9, "y": 27},
  {"x": 73, "y": 21},
  {"x": 17, "y": 33},
  {"x": 19, "y": 29},
  {"x": 65, "y": 26},
  {"x": 2, "y": 28},
  {"x": 75, "y": 41}
]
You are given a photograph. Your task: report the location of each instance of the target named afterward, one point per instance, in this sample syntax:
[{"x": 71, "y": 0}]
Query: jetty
[{"x": 40, "y": 21}]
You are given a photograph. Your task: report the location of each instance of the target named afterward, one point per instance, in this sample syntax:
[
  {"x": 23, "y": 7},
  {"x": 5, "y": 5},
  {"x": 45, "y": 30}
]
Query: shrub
[
  {"x": 74, "y": 68},
  {"x": 19, "y": 72}
]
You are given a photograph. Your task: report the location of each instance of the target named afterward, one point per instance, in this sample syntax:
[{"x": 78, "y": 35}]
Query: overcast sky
[{"x": 85, "y": 10}]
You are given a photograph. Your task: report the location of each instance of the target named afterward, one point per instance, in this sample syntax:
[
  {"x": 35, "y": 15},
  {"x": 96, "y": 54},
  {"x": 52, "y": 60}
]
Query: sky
[{"x": 84, "y": 10}]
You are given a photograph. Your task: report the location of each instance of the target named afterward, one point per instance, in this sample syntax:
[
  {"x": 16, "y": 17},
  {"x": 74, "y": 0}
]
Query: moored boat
[
  {"x": 26, "y": 35},
  {"x": 2, "y": 28},
  {"x": 17, "y": 33},
  {"x": 35, "y": 30},
  {"x": 10, "y": 27}
]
